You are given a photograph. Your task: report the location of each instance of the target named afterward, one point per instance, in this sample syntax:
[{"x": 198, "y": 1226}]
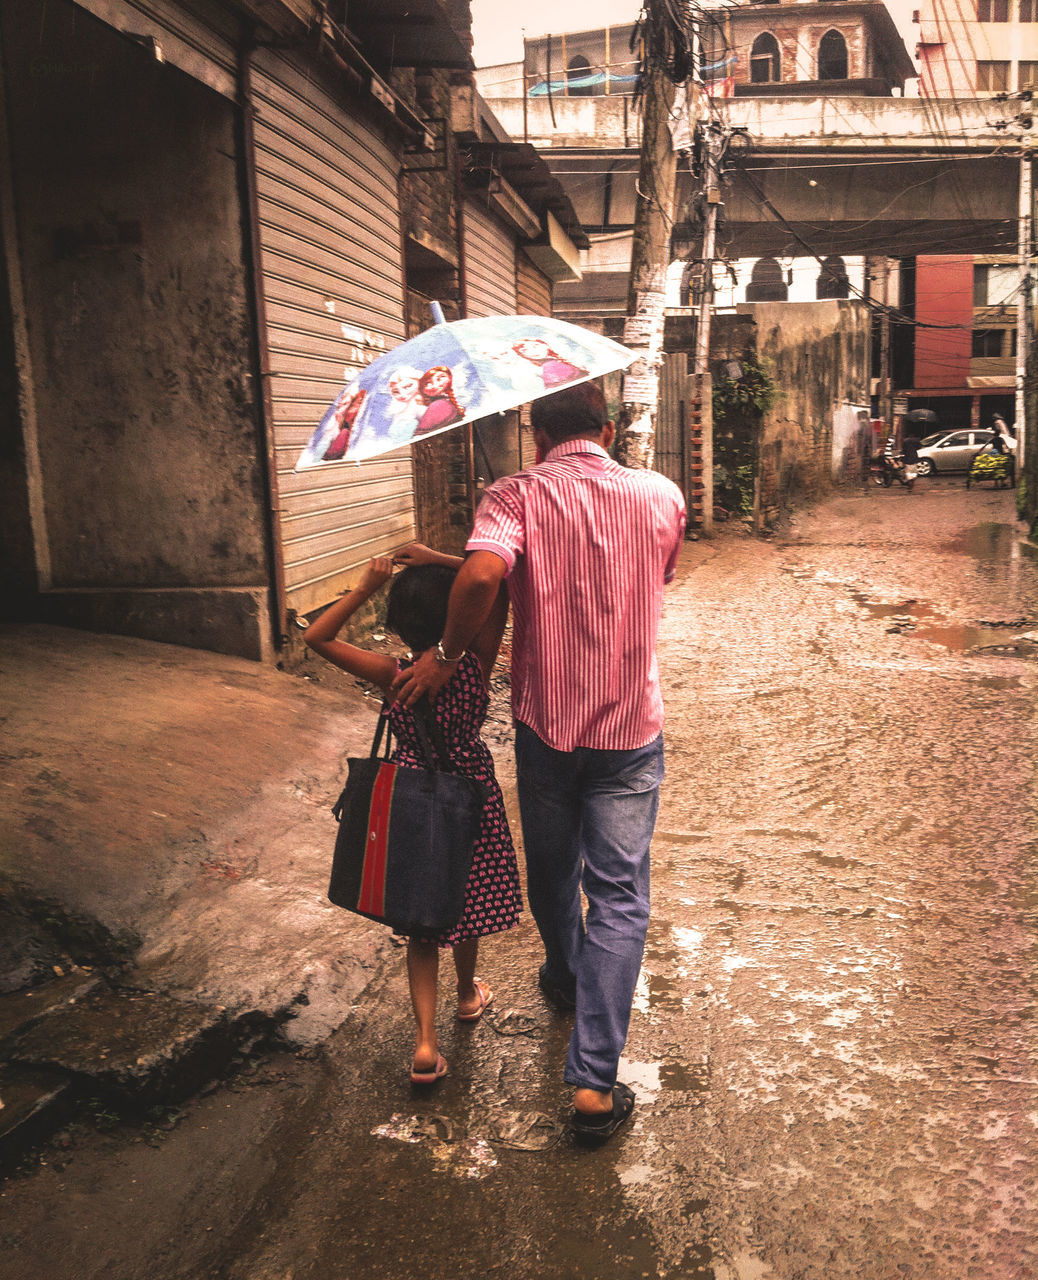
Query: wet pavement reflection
[{"x": 833, "y": 1039}]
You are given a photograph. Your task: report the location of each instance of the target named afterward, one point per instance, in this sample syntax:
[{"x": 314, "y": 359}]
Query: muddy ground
[{"x": 833, "y": 1044}]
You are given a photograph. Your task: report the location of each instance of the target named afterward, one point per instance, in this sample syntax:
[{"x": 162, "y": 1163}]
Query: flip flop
[
  {"x": 592, "y": 1131},
  {"x": 431, "y": 1076},
  {"x": 486, "y": 999}
]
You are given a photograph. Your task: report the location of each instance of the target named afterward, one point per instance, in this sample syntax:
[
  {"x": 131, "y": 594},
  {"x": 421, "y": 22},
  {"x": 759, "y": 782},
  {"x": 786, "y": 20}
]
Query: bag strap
[
  {"x": 430, "y": 736},
  {"x": 380, "y": 728},
  {"x": 428, "y": 732}
]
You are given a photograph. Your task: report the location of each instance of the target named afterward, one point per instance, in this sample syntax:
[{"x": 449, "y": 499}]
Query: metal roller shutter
[
  {"x": 333, "y": 279},
  {"x": 199, "y": 37},
  {"x": 489, "y": 265},
  {"x": 533, "y": 288}
]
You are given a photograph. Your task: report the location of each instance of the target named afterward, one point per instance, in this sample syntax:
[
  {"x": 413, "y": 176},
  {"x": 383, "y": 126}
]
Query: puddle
[
  {"x": 831, "y": 859},
  {"x": 652, "y": 1078},
  {"x": 922, "y": 620},
  {"x": 989, "y": 542}
]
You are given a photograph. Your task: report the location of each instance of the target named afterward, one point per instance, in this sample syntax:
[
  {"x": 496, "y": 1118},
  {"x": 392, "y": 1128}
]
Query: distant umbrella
[
  {"x": 452, "y": 374},
  {"x": 921, "y": 415}
]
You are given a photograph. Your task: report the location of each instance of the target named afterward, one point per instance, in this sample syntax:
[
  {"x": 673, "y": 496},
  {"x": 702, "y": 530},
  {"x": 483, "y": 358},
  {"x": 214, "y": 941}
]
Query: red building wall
[{"x": 943, "y": 296}]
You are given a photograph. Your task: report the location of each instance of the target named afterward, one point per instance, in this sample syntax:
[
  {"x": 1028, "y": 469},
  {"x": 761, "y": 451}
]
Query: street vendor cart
[{"x": 988, "y": 465}]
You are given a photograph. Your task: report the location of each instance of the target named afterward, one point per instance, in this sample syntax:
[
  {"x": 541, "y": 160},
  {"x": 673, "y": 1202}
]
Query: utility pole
[
  {"x": 667, "y": 61},
  {"x": 886, "y": 398},
  {"x": 713, "y": 140},
  {"x": 650, "y": 257},
  {"x": 1023, "y": 303}
]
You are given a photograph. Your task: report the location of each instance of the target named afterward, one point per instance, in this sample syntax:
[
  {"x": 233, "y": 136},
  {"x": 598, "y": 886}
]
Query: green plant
[
  {"x": 749, "y": 396},
  {"x": 739, "y": 404}
]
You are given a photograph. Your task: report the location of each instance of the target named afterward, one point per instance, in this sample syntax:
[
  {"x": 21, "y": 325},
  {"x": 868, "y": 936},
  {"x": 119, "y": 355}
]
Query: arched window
[
  {"x": 765, "y": 61},
  {"x": 832, "y": 57},
  {"x": 688, "y": 287},
  {"x": 767, "y": 283},
  {"x": 579, "y": 69},
  {"x": 832, "y": 279}
]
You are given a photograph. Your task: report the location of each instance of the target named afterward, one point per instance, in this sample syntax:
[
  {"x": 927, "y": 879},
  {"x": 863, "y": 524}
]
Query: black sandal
[{"x": 592, "y": 1130}]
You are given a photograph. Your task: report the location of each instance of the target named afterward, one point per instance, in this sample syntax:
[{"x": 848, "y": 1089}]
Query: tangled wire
[{"x": 665, "y": 33}]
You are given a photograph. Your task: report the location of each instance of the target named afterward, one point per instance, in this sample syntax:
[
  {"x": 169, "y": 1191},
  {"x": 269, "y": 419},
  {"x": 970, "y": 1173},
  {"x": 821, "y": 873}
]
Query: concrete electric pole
[
  {"x": 713, "y": 139},
  {"x": 666, "y": 62},
  {"x": 1023, "y": 303}
]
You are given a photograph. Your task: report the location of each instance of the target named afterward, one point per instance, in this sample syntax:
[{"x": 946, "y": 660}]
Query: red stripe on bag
[{"x": 372, "y": 898}]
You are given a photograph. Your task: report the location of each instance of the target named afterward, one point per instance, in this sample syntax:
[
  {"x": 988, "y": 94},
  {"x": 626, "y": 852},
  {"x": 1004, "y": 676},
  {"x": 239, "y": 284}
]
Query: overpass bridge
[{"x": 842, "y": 175}]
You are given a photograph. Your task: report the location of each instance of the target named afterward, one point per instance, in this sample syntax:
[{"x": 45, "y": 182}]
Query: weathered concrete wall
[
  {"x": 819, "y": 357},
  {"x": 130, "y": 243},
  {"x": 817, "y": 354},
  {"x": 18, "y": 577}
]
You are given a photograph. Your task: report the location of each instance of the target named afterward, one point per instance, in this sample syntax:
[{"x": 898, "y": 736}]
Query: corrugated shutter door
[
  {"x": 489, "y": 265},
  {"x": 533, "y": 288},
  {"x": 332, "y": 273},
  {"x": 199, "y": 36}
]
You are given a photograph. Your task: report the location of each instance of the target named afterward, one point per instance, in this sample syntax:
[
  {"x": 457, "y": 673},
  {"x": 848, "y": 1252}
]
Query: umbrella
[
  {"x": 921, "y": 415},
  {"x": 453, "y": 373}
]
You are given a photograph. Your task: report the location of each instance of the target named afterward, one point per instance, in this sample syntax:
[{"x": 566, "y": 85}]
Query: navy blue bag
[{"x": 404, "y": 846}]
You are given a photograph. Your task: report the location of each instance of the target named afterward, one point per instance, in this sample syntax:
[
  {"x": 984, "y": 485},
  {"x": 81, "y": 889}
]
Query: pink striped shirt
[{"x": 589, "y": 545}]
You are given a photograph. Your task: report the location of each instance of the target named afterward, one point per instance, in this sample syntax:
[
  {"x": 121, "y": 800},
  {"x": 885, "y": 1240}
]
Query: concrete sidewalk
[{"x": 167, "y": 844}]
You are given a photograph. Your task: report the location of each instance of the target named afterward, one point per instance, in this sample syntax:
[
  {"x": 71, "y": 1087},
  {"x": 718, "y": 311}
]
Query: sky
[{"x": 497, "y": 25}]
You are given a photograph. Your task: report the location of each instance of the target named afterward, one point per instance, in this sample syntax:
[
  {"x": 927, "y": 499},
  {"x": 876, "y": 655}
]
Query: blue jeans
[{"x": 588, "y": 818}]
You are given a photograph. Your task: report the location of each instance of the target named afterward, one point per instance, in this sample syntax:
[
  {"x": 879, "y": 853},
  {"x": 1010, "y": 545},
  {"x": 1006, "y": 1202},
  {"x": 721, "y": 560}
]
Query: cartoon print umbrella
[{"x": 453, "y": 373}]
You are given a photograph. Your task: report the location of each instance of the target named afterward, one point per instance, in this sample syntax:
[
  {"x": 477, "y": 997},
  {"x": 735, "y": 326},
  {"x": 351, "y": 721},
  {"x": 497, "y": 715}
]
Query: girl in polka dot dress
[{"x": 417, "y": 612}]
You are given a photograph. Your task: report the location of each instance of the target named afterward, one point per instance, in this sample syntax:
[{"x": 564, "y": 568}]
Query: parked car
[{"x": 951, "y": 450}]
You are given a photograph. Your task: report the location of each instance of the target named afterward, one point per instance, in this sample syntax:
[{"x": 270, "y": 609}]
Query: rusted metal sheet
[
  {"x": 672, "y": 417},
  {"x": 331, "y": 257},
  {"x": 489, "y": 265}
]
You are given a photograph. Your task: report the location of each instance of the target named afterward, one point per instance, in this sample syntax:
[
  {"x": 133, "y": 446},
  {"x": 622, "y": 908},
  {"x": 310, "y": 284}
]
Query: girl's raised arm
[{"x": 321, "y": 635}]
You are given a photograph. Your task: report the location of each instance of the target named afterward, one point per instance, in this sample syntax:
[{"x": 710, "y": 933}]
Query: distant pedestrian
[
  {"x": 416, "y": 611},
  {"x": 586, "y": 546},
  {"x": 910, "y": 453},
  {"x": 1002, "y": 442}
]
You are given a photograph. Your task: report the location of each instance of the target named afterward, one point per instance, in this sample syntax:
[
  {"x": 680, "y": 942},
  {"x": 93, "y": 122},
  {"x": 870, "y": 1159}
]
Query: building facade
[
  {"x": 213, "y": 213},
  {"x": 963, "y": 362},
  {"x": 976, "y": 48}
]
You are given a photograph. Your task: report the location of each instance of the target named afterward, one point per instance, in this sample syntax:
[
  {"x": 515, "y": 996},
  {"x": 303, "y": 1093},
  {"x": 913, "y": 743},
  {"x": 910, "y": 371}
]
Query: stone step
[
  {"x": 19, "y": 1009},
  {"x": 33, "y": 1105},
  {"x": 130, "y": 1049}
]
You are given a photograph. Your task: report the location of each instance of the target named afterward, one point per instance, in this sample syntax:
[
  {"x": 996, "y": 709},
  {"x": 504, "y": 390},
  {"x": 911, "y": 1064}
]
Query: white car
[{"x": 953, "y": 450}]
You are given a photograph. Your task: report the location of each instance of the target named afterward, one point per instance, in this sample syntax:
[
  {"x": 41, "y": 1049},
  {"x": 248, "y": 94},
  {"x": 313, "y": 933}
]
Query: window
[
  {"x": 1028, "y": 11},
  {"x": 989, "y": 344},
  {"x": 992, "y": 77},
  {"x": 1027, "y": 73},
  {"x": 832, "y": 57},
  {"x": 980, "y": 286},
  {"x": 832, "y": 279},
  {"x": 766, "y": 282},
  {"x": 765, "y": 62},
  {"x": 579, "y": 69},
  {"x": 992, "y": 10}
]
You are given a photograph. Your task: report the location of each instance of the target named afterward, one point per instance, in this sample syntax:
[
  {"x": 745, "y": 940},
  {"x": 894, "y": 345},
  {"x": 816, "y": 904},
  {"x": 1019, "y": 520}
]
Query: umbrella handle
[{"x": 477, "y": 436}]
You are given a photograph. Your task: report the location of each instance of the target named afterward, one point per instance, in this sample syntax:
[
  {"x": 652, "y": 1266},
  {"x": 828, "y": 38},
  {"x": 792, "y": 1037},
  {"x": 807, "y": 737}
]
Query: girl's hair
[
  {"x": 446, "y": 394},
  {"x": 417, "y": 608}
]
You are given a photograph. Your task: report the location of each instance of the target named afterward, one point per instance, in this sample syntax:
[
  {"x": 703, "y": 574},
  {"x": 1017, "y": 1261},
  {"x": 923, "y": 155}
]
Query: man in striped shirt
[{"x": 586, "y": 546}]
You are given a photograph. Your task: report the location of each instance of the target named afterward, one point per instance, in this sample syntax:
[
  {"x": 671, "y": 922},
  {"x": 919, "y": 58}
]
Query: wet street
[{"x": 833, "y": 1044}]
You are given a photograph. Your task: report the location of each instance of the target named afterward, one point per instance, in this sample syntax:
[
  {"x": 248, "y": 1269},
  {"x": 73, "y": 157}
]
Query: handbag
[{"x": 403, "y": 851}]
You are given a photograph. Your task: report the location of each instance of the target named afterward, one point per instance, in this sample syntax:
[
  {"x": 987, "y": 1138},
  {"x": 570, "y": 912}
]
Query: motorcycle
[{"x": 888, "y": 467}]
